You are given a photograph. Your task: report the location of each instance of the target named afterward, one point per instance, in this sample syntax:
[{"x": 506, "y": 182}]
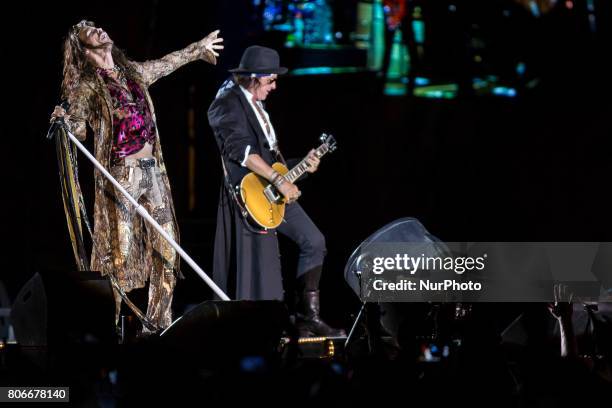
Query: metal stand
[{"x": 350, "y": 335}]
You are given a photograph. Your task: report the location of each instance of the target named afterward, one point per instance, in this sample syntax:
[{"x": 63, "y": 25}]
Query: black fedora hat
[{"x": 259, "y": 60}]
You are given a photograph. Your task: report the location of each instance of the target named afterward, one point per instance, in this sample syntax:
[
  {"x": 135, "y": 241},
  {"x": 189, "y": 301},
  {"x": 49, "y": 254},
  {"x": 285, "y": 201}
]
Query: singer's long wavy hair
[{"x": 77, "y": 66}]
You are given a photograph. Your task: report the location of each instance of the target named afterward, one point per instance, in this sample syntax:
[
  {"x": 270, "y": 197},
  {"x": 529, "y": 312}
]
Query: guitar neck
[{"x": 296, "y": 172}]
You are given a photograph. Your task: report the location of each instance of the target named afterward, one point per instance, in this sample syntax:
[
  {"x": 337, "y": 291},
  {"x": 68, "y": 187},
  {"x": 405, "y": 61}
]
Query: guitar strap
[
  {"x": 280, "y": 156},
  {"x": 243, "y": 211}
]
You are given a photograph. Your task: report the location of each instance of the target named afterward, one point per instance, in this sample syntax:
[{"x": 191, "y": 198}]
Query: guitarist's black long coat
[{"x": 246, "y": 265}]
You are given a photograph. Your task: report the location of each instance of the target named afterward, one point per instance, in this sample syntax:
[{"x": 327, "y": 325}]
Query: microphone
[{"x": 58, "y": 122}]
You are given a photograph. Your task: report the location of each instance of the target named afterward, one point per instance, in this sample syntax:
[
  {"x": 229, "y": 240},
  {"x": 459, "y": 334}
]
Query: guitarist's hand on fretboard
[{"x": 313, "y": 161}]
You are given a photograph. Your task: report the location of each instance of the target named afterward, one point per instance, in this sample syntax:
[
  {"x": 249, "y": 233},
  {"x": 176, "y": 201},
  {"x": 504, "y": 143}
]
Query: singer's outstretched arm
[{"x": 204, "y": 49}]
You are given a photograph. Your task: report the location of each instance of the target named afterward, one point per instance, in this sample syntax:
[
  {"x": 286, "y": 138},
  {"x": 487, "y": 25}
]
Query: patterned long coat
[{"x": 91, "y": 107}]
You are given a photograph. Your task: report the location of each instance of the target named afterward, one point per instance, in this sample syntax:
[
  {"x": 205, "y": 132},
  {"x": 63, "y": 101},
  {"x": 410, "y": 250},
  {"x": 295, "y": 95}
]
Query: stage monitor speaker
[
  {"x": 220, "y": 331},
  {"x": 56, "y": 308}
]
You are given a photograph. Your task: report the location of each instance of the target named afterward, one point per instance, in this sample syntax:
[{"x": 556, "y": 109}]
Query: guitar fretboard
[{"x": 296, "y": 172}]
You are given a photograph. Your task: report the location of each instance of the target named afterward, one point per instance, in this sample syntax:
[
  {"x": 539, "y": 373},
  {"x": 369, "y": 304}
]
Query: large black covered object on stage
[
  {"x": 223, "y": 331},
  {"x": 403, "y": 230},
  {"x": 57, "y": 308},
  {"x": 391, "y": 319}
]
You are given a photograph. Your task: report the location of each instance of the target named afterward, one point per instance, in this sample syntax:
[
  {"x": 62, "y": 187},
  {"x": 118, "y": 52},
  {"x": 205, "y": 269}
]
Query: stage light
[{"x": 504, "y": 91}]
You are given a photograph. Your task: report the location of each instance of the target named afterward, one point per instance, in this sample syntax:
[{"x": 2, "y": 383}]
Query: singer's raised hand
[{"x": 209, "y": 46}]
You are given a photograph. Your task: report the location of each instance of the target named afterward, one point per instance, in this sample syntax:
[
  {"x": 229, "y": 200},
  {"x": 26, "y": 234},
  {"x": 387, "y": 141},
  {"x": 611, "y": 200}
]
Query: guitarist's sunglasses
[{"x": 266, "y": 80}]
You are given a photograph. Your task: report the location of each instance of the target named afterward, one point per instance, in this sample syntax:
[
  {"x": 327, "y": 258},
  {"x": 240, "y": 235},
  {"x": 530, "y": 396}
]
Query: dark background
[{"x": 535, "y": 167}]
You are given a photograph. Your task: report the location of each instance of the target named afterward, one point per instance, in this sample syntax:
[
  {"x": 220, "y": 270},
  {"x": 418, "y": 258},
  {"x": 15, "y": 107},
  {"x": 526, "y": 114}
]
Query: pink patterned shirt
[{"x": 133, "y": 124}]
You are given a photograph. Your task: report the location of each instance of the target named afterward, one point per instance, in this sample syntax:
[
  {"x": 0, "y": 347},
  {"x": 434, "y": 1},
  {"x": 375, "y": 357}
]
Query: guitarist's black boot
[{"x": 309, "y": 322}]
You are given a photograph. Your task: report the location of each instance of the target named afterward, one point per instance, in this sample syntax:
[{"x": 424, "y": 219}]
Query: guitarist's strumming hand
[
  {"x": 290, "y": 191},
  {"x": 257, "y": 165},
  {"x": 313, "y": 162}
]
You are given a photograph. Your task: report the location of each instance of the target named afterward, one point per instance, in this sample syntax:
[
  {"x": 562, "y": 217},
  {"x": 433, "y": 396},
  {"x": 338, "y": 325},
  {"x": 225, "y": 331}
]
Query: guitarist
[{"x": 246, "y": 259}]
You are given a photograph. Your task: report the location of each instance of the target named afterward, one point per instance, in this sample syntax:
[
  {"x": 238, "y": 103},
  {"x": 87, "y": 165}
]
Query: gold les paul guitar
[{"x": 264, "y": 203}]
